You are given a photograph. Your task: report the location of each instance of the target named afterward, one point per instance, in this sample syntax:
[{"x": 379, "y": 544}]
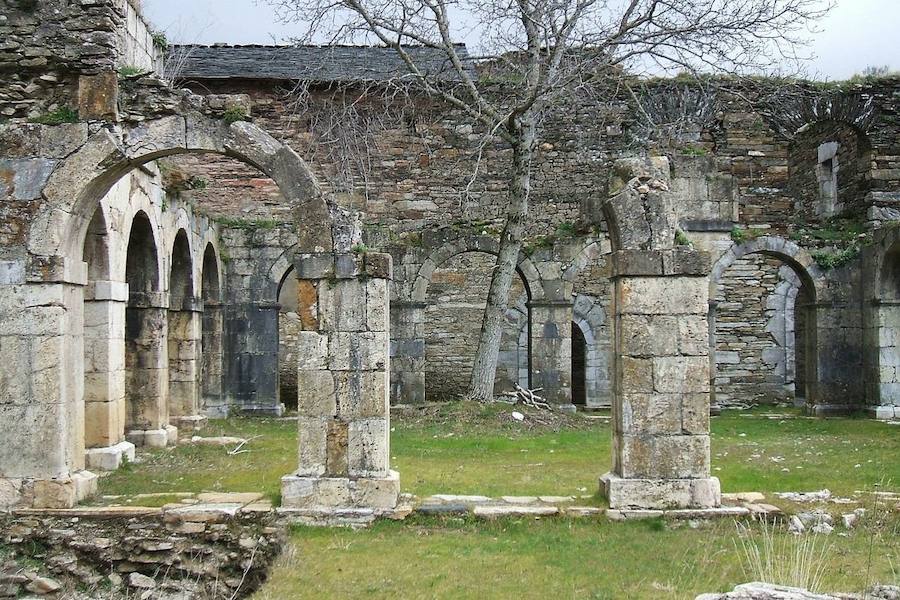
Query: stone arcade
[{"x": 167, "y": 256}]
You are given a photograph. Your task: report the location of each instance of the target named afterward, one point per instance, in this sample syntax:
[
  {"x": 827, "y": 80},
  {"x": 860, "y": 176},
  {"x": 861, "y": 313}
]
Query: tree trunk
[{"x": 484, "y": 371}]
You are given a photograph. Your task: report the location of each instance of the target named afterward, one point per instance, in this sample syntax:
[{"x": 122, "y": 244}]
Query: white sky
[{"x": 856, "y": 34}]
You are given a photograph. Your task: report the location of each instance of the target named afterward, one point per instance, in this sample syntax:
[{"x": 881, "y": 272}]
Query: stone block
[
  {"x": 109, "y": 458},
  {"x": 378, "y": 265},
  {"x": 98, "y": 97},
  {"x": 312, "y": 351},
  {"x": 651, "y": 414},
  {"x": 55, "y": 493},
  {"x": 681, "y": 374},
  {"x": 693, "y": 335},
  {"x": 643, "y": 335},
  {"x": 662, "y": 296},
  {"x": 695, "y": 413},
  {"x": 312, "y": 445},
  {"x": 336, "y": 448},
  {"x": 368, "y": 445},
  {"x": 85, "y": 485},
  {"x": 316, "y": 393},
  {"x": 350, "y": 351},
  {"x": 336, "y": 493},
  {"x": 636, "y": 375},
  {"x": 314, "y": 266},
  {"x": 362, "y": 394},
  {"x": 664, "y": 456},
  {"x": 377, "y": 305},
  {"x": 638, "y": 263},
  {"x": 342, "y": 305}
]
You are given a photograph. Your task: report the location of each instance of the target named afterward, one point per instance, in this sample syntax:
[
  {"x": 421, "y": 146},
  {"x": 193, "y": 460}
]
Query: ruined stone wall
[
  {"x": 118, "y": 555},
  {"x": 45, "y": 46}
]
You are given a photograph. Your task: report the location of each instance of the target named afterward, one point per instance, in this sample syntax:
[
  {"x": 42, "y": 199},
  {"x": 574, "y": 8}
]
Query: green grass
[
  {"x": 549, "y": 558},
  {"x": 485, "y": 452},
  {"x": 467, "y": 448}
]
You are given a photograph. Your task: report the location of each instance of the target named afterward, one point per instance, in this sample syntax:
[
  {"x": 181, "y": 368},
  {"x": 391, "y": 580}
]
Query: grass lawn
[
  {"x": 549, "y": 558},
  {"x": 474, "y": 449},
  {"x": 481, "y": 450}
]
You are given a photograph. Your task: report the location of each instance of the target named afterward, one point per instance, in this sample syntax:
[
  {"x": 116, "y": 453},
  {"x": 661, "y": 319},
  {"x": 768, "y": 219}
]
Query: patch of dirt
[{"x": 465, "y": 416}]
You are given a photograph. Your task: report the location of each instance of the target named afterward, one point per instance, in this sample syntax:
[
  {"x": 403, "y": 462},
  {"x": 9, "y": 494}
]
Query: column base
[
  {"x": 153, "y": 438},
  {"x": 340, "y": 493},
  {"x": 109, "y": 458},
  {"x": 883, "y": 413},
  {"x": 660, "y": 494}
]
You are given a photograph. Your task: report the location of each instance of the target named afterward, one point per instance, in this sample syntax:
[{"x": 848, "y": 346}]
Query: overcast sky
[{"x": 856, "y": 34}]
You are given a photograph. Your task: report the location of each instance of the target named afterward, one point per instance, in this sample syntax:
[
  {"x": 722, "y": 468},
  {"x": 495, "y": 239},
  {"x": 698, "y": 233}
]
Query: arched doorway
[
  {"x": 762, "y": 325},
  {"x": 146, "y": 322},
  {"x": 102, "y": 364},
  {"x": 212, "y": 400},
  {"x": 183, "y": 338}
]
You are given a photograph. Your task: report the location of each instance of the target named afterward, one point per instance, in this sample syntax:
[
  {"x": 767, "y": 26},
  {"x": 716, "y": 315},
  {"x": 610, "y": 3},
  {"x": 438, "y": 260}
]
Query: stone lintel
[
  {"x": 329, "y": 265},
  {"x": 660, "y": 494},
  {"x": 684, "y": 261},
  {"x": 340, "y": 493}
]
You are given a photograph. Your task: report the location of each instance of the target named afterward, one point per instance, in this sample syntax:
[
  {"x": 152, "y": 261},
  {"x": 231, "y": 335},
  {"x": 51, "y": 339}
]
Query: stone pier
[
  {"x": 661, "y": 450},
  {"x": 344, "y": 419}
]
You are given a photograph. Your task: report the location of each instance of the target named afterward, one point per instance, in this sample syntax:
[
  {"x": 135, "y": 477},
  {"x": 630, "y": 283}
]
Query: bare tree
[{"x": 544, "y": 47}]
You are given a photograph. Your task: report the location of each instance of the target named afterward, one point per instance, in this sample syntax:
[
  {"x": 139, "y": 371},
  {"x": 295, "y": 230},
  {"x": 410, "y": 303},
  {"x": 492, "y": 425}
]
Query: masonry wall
[{"x": 754, "y": 334}]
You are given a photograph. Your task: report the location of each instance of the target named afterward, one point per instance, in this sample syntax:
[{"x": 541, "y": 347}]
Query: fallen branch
[
  {"x": 528, "y": 398},
  {"x": 237, "y": 449}
]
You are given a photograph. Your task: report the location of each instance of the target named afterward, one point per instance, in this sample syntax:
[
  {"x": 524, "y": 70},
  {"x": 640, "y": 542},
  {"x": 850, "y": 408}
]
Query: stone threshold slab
[{"x": 681, "y": 513}]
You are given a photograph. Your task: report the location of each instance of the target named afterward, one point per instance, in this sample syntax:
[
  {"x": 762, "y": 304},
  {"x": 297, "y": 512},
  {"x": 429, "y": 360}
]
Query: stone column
[
  {"x": 42, "y": 384},
  {"x": 661, "y": 410},
  {"x": 104, "y": 375},
  {"x": 212, "y": 400},
  {"x": 408, "y": 352},
  {"x": 147, "y": 371},
  {"x": 551, "y": 350},
  {"x": 344, "y": 419},
  {"x": 184, "y": 365}
]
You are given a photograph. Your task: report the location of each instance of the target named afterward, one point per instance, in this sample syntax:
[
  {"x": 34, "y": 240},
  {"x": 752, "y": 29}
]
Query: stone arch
[
  {"x": 289, "y": 327},
  {"x": 475, "y": 243},
  {"x": 210, "y": 274},
  {"x": 799, "y": 277},
  {"x": 80, "y": 180},
  {"x": 101, "y": 361},
  {"x": 183, "y": 334},
  {"x": 211, "y": 334},
  {"x": 590, "y": 318},
  {"x": 146, "y": 373}
]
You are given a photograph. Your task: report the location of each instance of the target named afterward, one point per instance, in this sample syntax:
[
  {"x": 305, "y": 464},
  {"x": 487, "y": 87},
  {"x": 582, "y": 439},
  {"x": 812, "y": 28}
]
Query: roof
[{"x": 312, "y": 63}]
